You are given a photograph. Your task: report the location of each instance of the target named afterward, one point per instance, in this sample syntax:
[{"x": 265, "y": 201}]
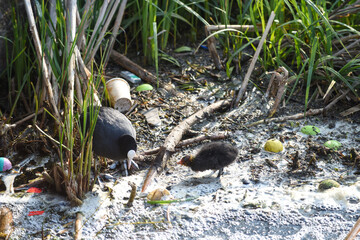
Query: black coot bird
[
  {"x": 114, "y": 136},
  {"x": 214, "y": 155}
]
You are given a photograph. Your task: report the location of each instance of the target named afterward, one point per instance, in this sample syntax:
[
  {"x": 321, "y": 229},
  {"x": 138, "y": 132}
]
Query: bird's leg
[
  {"x": 221, "y": 170},
  {"x": 135, "y": 164},
  {"x": 212, "y": 173},
  {"x": 125, "y": 167}
]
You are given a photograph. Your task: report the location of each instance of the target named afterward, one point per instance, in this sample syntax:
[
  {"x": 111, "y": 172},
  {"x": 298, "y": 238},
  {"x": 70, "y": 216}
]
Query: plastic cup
[{"x": 119, "y": 93}]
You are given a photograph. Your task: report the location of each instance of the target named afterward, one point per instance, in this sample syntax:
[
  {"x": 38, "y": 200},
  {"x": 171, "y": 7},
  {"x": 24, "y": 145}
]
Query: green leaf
[
  {"x": 310, "y": 130},
  {"x": 183, "y": 49},
  {"x": 169, "y": 58},
  {"x": 144, "y": 87},
  {"x": 311, "y": 69},
  {"x": 332, "y": 144}
]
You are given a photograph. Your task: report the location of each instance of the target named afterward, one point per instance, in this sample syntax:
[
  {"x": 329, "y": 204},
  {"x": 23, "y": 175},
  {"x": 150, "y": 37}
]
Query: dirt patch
[{"x": 261, "y": 196}]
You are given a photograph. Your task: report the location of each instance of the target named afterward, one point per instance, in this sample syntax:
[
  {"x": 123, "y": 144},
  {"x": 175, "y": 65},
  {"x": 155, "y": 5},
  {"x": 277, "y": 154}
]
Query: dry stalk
[
  {"x": 104, "y": 28},
  {"x": 52, "y": 28},
  {"x": 95, "y": 30},
  {"x": 41, "y": 57},
  {"x": 115, "y": 30},
  {"x": 85, "y": 20},
  {"x": 71, "y": 31},
  {"x": 253, "y": 61}
]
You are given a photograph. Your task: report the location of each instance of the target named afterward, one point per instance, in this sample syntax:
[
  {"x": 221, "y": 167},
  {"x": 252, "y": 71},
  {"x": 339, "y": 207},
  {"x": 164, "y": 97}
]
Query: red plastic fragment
[
  {"x": 33, "y": 213},
  {"x": 34, "y": 190}
]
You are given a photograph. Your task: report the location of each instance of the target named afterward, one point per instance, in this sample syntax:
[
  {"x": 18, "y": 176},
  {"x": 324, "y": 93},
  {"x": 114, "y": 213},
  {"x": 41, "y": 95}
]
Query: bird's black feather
[
  {"x": 214, "y": 155},
  {"x": 113, "y": 135}
]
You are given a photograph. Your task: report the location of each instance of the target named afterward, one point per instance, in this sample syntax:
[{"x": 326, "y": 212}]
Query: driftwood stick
[
  {"x": 6, "y": 127},
  {"x": 282, "y": 81},
  {"x": 184, "y": 143},
  {"x": 310, "y": 112},
  {"x": 41, "y": 58},
  {"x": 133, "y": 67},
  {"x": 212, "y": 49},
  {"x": 167, "y": 149},
  {"x": 132, "y": 194},
  {"x": 253, "y": 61},
  {"x": 78, "y": 225},
  {"x": 354, "y": 231}
]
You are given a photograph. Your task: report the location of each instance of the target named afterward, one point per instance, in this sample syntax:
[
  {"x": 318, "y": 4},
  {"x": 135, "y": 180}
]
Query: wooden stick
[
  {"x": 253, "y": 61},
  {"x": 167, "y": 149},
  {"x": 78, "y": 225},
  {"x": 282, "y": 83},
  {"x": 212, "y": 49},
  {"x": 133, "y": 67},
  {"x": 132, "y": 194},
  {"x": 310, "y": 112},
  {"x": 354, "y": 231},
  {"x": 7, "y": 127},
  {"x": 183, "y": 143},
  {"x": 41, "y": 58}
]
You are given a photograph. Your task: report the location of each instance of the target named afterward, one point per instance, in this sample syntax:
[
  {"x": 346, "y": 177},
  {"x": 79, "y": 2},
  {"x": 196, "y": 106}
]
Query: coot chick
[
  {"x": 214, "y": 155},
  {"x": 114, "y": 136}
]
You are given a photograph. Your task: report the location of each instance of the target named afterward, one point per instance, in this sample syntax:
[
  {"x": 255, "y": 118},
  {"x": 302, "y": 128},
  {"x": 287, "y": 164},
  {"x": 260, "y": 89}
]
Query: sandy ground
[{"x": 252, "y": 200}]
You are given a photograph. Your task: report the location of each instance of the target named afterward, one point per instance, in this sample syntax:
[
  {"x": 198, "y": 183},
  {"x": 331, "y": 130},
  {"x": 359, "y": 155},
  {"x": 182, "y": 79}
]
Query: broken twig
[
  {"x": 253, "y": 61},
  {"x": 183, "y": 143},
  {"x": 133, "y": 67},
  {"x": 132, "y": 194},
  {"x": 78, "y": 225},
  {"x": 168, "y": 148}
]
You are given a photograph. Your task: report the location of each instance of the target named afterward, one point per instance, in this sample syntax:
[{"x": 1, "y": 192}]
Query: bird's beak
[
  {"x": 131, "y": 154},
  {"x": 184, "y": 160}
]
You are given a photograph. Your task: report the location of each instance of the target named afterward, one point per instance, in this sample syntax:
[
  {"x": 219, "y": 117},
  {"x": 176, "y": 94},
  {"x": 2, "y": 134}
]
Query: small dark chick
[{"x": 214, "y": 156}]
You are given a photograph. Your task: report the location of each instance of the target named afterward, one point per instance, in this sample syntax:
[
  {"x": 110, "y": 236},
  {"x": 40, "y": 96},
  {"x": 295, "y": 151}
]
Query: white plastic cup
[{"x": 119, "y": 93}]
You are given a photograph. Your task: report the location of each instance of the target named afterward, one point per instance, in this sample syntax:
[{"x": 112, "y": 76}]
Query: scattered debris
[
  {"x": 310, "y": 130},
  {"x": 333, "y": 144},
  {"x": 132, "y": 194},
  {"x": 328, "y": 184},
  {"x": 36, "y": 213},
  {"x": 273, "y": 145},
  {"x": 152, "y": 117},
  {"x": 6, "y": 222},
  {"x": 78, "y": 225},
  {"x": 5, "y": 164}
]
